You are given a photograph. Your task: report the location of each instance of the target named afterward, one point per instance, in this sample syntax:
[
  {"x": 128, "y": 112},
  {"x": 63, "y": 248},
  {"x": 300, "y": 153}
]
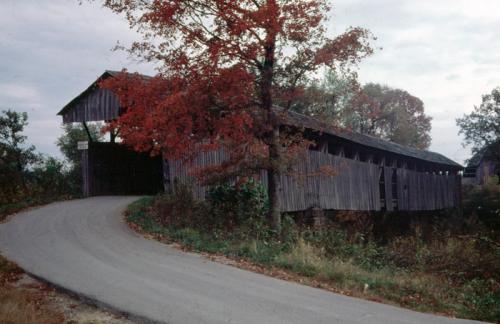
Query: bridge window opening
[
  {"x": 394, "y": 187},
  {"x": 383, "y": 201}
]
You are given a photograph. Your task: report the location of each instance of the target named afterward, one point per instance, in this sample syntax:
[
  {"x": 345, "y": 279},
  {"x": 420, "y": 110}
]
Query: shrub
[
  {"x": 49, "y": 178},
  {"x": 482, "y": 299},
  {"x": 232, "y": 205},
  {"x": 260, "y": 251},
  {"x": 457, "y": 257},
  {"x": 336, "y": 243},
  {"x": 180, "y": 209},
  {"x": 483, "y": 202},
  {"x": 229, "y": 211},
  {"x": 304, "y": 259}
]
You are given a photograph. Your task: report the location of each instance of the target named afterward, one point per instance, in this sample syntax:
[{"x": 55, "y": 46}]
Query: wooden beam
[
  {"x": 369, "y": 158},
  {"x": 112, "y": 133},
  {"x": 340, "y": 151},
  {"x": 323, "y": 146},
  {"x": 88, "y": 132}
]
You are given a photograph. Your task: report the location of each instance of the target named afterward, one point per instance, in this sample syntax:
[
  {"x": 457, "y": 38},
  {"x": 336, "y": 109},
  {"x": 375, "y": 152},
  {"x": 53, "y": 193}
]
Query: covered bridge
[{"x": 370, "y": 174}]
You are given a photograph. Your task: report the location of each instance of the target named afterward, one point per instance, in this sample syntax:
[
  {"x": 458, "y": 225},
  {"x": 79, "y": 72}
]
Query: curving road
[{"x": 85, "y": 247}]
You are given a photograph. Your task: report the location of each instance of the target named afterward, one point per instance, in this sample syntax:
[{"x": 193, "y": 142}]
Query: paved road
[{"x": 84, "y": 246}]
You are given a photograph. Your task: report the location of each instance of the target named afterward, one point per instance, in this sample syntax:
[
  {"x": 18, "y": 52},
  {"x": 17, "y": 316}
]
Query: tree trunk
[
  {"x": 274, "y": 145},
  {"x": 274, "y": 182}
]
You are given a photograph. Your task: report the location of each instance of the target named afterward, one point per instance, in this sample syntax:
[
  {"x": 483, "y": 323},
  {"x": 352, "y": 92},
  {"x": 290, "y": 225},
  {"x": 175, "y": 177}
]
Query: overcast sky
[{"x": 446, "y": 52}]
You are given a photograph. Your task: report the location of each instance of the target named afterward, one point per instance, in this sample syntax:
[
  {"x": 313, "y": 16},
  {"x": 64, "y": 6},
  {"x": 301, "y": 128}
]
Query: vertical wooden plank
[
  {"x": 166, "y": 175},
  {"x": 388, "y": 188},
  {"x": 404, "y": 189},
  {"x": 85, "y": 173}
]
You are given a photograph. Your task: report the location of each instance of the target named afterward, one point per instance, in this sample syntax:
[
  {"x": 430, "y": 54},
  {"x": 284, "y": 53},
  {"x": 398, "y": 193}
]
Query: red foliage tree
[{"x": 222, "y": 64}]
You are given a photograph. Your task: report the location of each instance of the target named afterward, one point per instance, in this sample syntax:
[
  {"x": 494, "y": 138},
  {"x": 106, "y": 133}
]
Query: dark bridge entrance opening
[{"x": 114, "y": 169}]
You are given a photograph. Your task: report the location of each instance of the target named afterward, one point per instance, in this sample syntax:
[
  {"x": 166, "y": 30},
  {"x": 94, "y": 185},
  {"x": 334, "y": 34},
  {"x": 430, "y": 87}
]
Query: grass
[
  {"x": 434, "y": 277},
  {"x": 20, "y": 306}
]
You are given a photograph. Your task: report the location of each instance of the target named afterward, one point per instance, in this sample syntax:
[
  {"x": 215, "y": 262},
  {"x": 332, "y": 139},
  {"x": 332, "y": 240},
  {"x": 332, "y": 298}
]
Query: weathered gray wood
[
  {"x": 427, "y": 191},
  {"x": 355, "y": 186},
  {"x": 389, "y": 205},
  {"x": 99, "y": 104},
  {"x": 85, "y": 173},
  {"x": 182, "y": 171}
]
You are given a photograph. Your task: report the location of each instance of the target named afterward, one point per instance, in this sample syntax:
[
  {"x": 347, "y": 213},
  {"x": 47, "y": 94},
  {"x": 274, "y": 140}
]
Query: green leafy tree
[
  {"x": 329, "y": 97},
  {"x": 68, "y": 145},
  {"x": 50, "y": 178},
  {"x": 15, "y": 156},
  {"x": 398, "y": 116},
  {"x": 481, "y": 128},
  {"x": 374, "y": 109},
  {"x": 74, "y": 133}
]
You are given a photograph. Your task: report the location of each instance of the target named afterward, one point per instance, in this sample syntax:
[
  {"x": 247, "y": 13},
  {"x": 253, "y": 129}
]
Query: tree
[
  {"x": 399, "y": 116},
  {"x": 223, "y": 64},
  {"x": 73, "y": 133},
  {"x": 50, "y": 178},
  {"x": 374, "y": 109},
  {"x": 68, "y": 145},
  {"x": 328, "y": 99},
  {"x": 15, "y": 157},
  {"x": 481, "y": 128}
]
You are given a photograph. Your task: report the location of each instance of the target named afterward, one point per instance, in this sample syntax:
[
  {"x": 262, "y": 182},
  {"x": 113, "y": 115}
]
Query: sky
[{"x": 446, "y": 52}]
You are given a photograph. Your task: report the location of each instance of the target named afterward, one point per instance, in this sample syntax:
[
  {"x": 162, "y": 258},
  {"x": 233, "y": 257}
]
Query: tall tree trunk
[
  {"x": 274, "y": 136},
  {"x": 274, "y": 182}
]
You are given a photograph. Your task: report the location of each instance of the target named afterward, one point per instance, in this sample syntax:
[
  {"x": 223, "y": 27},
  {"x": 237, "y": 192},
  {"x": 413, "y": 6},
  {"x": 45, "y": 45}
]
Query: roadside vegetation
[
  {"x": 452, "y": 273},
  {"x": 29, "y": 178},
  {"x": 21, "y": 306}
]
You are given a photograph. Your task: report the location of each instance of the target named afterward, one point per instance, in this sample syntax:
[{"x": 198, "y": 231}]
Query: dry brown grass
[{"x": 23, "y": 306}]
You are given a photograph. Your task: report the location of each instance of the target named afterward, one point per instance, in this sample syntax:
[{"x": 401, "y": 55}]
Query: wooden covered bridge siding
[
  {"x": 175, "y": 172},
  {"x": 99, "y": 104},
  {"x": 356, "y": 185},
  {"x": 421, "y": 191},
  {"x": 179, "y": 172}
]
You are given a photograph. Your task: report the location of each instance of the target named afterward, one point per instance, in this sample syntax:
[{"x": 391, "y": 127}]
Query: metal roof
[{"x": 312, "y": 123}]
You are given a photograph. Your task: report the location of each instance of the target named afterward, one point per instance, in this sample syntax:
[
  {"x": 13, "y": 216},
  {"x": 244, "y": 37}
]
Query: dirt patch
[{"x": 72, "y": 309}]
